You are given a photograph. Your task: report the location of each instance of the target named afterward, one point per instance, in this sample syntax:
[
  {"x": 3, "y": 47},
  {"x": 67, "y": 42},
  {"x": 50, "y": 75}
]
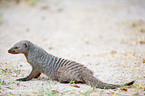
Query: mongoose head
[{"x": 20, "y": 47}]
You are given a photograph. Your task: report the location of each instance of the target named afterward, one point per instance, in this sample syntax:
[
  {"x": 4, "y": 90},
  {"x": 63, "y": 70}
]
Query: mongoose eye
[{"x": 16, "y": 47}]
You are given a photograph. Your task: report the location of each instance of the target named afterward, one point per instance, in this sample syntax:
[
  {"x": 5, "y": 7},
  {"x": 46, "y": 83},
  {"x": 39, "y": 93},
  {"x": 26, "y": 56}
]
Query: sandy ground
[{"x": 106, "y": 36}]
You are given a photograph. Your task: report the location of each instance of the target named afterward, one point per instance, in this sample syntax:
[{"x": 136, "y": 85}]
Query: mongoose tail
[{"x": 95, "y": 82}]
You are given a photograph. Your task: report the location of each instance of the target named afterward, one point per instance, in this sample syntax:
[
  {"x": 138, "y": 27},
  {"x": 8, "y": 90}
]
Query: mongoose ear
[{"x": 26, "y": 45}]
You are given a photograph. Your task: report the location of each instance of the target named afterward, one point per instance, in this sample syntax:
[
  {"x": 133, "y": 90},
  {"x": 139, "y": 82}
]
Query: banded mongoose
[{"x": 57, "y": 68}]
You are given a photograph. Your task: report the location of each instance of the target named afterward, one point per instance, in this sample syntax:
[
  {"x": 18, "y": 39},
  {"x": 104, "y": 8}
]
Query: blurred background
[{"x": 106, "y": 36}]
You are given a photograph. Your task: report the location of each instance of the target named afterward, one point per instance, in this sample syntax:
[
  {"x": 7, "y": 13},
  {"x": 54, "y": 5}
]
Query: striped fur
[{"x": 56, "y": 68}]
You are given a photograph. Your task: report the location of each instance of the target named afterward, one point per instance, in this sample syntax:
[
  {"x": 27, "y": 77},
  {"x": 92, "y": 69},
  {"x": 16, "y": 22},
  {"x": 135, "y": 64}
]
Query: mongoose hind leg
[
  {"x": 34, "y": 73},
  {"x": 66, "y": 79}
]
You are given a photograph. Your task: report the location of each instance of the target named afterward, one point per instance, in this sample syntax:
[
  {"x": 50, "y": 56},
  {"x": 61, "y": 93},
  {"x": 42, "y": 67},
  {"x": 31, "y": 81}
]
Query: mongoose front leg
[{"x": 34, "y": 73}]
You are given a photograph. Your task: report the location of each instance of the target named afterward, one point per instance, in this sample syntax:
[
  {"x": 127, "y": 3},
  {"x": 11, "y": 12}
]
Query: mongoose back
[{"x": 57, "y": 68}]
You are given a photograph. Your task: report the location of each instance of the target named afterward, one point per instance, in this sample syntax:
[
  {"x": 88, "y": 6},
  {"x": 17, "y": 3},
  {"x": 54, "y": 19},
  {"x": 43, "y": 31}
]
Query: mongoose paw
[
  {"x": 63, "y": 81},
  {"x": 21, "y": 79}
]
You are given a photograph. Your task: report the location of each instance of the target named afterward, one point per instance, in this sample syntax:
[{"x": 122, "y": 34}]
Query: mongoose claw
[{"x": 21, "y": 79}]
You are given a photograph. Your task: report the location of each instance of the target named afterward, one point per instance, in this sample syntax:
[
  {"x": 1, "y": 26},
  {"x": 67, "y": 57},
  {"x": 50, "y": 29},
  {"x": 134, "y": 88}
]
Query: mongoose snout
[{"x": 12, "y": 51}]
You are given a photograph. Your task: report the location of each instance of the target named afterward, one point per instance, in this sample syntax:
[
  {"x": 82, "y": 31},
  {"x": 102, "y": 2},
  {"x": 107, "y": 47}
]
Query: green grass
[
  {"x": 136, "y": 86},
  {"x": 117, "y": 92},
  {"x": 72, "y": 82},
  {"x": 33, "y": 2},
  {"x": 101, "y": 92},
  {"x": 9, "y": 88},
  {"x": 134, "y": 24},
  {"x": 15, "y": 70},
  {"x": 89, "y": 91},
  {"x": 2, "y": 82},
  {"x": 4, "y": 70},
  {"x": 123, "y": 86},
  {"x": 47, "y": 91},
  {"x": 10, "y": 70},
  {"x": 137, "y": 93},
  {"x": 1, "y": 15},
  {"x": 1, "y": 18}
]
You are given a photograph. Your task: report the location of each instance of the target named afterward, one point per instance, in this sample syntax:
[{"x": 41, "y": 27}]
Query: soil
[{"x": 106, "y": 36}]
